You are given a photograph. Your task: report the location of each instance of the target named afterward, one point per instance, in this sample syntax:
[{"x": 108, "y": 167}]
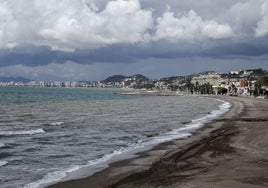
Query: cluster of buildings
[
  {"x": 235, "y": 82},
  {"x": 69, "y": 84}
]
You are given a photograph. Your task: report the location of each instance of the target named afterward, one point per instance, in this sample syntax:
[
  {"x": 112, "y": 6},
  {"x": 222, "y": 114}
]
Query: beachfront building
[
  {"x": 57, "y": 84},
  {"x": 240, "y": 86},
  {"x": 37, "y": 83},
  {"x": 74, "y": 84},
  {"x": 67, "y": 84},
  {"x": 33, "y": 83},
  {"x": 243, "y": 88},
  {"x": 211, "y": 78}
]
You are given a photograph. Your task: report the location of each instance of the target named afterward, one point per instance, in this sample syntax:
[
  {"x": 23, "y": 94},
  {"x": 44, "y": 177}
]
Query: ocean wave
[
  {"x": 56, "y": 123},
  {"x": 103, "y": 162},
  {"x": 60, "y": 174},
  {"x": 51, "y": 177},
  {"x": 5, "y": 154},
  {"x": 198, "y": 123},
  {"x": 29, "y": 132},
  {"x": 3, "y": 163},
  {"x": 2, "y": 145}
]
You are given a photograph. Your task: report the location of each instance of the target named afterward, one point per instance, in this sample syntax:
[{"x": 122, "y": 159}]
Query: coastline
[{"x": 219, "y": 154}]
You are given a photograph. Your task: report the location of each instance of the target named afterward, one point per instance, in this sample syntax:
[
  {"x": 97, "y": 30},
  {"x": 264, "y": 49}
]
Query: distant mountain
[
  {"x": 15, "y": 79},
  {"x": 121, "y": 78},
  {"x": 114, "y": 78},
  {"x": 140, "y": 77}
]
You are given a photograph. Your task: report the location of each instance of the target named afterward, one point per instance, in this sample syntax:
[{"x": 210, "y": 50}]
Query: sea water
[{"x": 48, "y": 134}]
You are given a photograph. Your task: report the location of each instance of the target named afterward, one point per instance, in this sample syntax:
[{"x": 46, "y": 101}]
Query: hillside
[{"x": 121, "y": 78}]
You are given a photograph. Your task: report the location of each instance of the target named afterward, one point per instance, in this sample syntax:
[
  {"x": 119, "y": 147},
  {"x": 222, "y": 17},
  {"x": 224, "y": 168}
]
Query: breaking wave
[
  {"x": 3, "y": 163},
  {"x": 29, "y": 132},
  {"x": 56, "y": 123}
]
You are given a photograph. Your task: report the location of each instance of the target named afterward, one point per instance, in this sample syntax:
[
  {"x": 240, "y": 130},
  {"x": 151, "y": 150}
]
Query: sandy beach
[{"x": 231, "y": 151}]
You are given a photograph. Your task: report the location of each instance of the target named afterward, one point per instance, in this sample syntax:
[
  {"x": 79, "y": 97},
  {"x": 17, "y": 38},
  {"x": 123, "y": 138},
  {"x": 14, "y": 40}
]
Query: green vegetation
[
  {"x": 205, "y": 89},
  {"x": 222, "y": 90},
  {"x": 261, "y": 85},
  {"x": 114, "y": 78},
  {"x": 262, "y": 82}
]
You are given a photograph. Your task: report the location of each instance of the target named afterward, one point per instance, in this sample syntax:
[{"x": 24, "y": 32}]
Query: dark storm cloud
[
  {"x": 30, "y": 56},
  {"x": 132, "y": 53},
  {"x": 241, "y": 50}
]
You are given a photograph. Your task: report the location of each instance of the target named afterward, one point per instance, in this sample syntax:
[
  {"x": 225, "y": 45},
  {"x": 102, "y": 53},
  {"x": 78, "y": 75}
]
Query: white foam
[
  {"x": 194, "y": 125},
  {"x": 97, "y": 164},
  {"x": 52, "y": 177},
  {"x": 3, "y": 163},
  {"x": 29, "y": 132},
  {"x": 56, "y": 123},
  {"x": 2, "y": 145},
  {"x": 198, "y": 123}
]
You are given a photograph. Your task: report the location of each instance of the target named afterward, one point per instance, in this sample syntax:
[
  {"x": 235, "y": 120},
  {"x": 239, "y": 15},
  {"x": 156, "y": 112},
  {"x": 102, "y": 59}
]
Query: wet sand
[{"x": 231, "y": 151}]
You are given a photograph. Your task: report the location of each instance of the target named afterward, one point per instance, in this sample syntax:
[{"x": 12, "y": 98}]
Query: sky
[{"x": 93, "y": 39}]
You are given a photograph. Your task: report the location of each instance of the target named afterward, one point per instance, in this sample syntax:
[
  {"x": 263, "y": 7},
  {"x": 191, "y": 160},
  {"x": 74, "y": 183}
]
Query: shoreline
[{"x": 178, "y": 163}]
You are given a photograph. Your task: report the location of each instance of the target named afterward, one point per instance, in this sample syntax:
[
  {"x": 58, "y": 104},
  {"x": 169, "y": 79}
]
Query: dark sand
[{"x": 231, "y": 151}]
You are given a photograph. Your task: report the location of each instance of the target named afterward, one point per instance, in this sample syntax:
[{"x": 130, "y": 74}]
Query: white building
[
  {"x": 57, "y": 84},
  {"x": 234, "y": 72},
  {"x": 211, "y": 78}
]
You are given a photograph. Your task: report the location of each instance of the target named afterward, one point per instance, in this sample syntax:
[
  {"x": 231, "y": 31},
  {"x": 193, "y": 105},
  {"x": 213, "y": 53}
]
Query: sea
[{"x": 54, "y": 134}]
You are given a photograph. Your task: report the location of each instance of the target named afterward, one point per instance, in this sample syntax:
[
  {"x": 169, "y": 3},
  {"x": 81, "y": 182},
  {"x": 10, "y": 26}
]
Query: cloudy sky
[{"x": 92, "y": 39}]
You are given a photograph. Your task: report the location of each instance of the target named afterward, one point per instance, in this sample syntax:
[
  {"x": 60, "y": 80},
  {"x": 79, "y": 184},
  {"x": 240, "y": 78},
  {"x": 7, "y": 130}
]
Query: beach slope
[{"x": 231, "y": 151}]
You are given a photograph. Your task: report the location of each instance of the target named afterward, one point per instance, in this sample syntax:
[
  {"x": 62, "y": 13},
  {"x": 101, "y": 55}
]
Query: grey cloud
[
  {"x": 84, "y": 24},
  {"x": 127, "y": 54},
  {"x": 208, "y": 9},
  {"x": 69, "y": 25},
  {"x": 262, "y": 27},
  {"x": 151, "y": 67}
]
